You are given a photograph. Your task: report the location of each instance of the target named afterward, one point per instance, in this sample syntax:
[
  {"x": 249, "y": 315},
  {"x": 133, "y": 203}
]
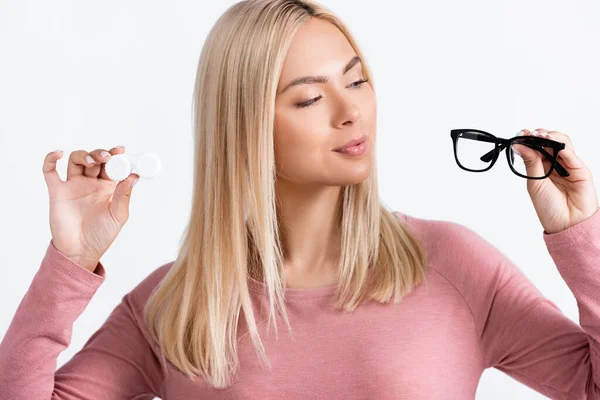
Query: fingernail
[
  {"x": 90, "y": 160},
  {"x": 134, "y": 181},
  {"x": 57, "y": 151},
  {"x": 105, "y": 154},
  {"x": 520, "y": 133},
  {"x": 119, "y": 147}
]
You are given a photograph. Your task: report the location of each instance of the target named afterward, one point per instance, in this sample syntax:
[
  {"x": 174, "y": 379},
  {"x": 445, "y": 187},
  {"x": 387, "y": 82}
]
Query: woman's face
[{"x": 335, "y": 112}]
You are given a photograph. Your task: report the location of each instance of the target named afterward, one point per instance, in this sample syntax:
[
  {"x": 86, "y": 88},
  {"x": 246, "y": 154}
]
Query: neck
[{"x": 309, "y": 229}]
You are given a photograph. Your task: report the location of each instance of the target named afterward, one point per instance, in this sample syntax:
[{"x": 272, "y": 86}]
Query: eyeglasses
[{"x": 477, "y": 151}]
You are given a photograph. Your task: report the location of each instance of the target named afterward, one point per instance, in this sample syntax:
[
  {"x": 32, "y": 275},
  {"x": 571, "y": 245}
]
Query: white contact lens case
[{"x": 119, "y": 166}]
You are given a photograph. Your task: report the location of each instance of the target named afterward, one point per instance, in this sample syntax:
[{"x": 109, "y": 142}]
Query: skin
[{"x": 310, "y": 174}]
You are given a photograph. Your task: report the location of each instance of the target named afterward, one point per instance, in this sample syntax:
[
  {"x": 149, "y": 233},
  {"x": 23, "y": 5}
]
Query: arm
[
  {"x": 524, "y": 334},
  {"x": 116, "y": 362}
]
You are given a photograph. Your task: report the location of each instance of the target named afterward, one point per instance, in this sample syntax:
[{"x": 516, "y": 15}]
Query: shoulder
[
  {"x": 139, "y": 295},
  {"x": 133, "y": 303},
  {"x": 447, "y": 236},
  {"x": 475, "y": 268},
  {"x": 457, "y": 252}
]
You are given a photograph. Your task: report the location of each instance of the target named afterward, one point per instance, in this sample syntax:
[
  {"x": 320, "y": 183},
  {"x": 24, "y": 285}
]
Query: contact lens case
[{"x": 119, "y": 166}]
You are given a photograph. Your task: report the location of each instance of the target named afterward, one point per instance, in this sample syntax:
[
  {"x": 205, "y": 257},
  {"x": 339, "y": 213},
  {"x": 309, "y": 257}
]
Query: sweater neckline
[
  {"x": 297, "y": 293},
  {"x": 302, "y": 293}
]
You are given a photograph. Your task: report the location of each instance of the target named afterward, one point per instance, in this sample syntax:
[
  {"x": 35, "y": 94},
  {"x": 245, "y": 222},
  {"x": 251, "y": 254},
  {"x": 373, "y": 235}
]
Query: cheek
[
  {"x": 297, "y": 134},
  {"x": 299, "y": 148},
  {"x": 370, "y": 110}
]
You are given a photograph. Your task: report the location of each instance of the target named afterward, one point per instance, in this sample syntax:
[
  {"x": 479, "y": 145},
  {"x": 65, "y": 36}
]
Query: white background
[{"x": 87, "y": 75}]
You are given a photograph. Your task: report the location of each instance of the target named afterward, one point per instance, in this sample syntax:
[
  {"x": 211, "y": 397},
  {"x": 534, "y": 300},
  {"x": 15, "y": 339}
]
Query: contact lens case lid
[
  {"x": 146, "y": 165},
  {"x": 118, "y": 167}
]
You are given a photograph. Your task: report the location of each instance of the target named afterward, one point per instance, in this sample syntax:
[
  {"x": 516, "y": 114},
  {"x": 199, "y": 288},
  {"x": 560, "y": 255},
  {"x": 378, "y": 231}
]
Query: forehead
[{"x": 318, "y": 48}]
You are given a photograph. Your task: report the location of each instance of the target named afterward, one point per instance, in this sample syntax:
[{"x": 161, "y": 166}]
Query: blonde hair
[{"x": 193, "y": 312}]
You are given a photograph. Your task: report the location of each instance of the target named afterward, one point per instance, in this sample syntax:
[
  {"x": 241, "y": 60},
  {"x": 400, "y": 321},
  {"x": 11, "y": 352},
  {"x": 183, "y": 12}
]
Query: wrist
[
  {"x": 89, "y": 263},
  {"x": 86, "y": 263}
]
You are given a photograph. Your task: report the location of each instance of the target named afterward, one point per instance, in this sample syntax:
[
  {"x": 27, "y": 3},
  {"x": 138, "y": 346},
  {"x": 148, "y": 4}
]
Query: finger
[
  {"x": 555, "y": 135},
  {"x": 119, "y": 205},
  {"x": 535, "y": 132},
  {"x": 532, "y": 159},
  {"x": 570, "y": 160},
  {"x": 77, "y": 161},
  {"x": 49, "y": 169},
  {"x": 80, "y": 163},
  {"x": 536, "y": 164},
  {"x": 561, "y": 137},
  {"x": 115, "y": 150},
  {"x": 100, "y": 156},
  {"x": 566, "y": 156},
  {"x": 558, "y": 137}
]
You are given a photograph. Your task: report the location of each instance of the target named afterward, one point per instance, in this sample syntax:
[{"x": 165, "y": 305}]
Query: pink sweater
[{"x": 477, "y": 311}]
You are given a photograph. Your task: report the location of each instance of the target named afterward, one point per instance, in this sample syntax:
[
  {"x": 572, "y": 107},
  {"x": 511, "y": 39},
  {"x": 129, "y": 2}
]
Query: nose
[{"x": 348, "y": 111}]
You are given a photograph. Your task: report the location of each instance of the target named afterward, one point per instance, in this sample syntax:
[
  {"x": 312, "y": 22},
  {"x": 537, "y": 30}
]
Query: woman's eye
[
  {"x": 308, "y": 103},
  {"x": 356, "y": 84}
]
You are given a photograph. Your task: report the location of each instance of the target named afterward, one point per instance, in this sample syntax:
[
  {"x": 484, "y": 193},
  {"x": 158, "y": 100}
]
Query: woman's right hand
[{"x": 88, "y": 210}]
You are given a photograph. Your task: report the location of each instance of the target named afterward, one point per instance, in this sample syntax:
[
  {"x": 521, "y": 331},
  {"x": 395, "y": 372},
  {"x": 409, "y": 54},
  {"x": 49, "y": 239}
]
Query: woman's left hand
[{"x": 561, "y": 202}]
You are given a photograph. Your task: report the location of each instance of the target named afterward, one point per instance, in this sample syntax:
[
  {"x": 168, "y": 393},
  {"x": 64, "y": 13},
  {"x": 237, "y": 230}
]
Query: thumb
[
  {"x": 532, "y": 159},
  {"x": 122, "y": 196}
]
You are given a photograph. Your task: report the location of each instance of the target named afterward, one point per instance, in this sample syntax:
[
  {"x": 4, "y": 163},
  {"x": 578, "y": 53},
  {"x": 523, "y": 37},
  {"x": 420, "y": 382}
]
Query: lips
[{"x": 353, "y": 142}]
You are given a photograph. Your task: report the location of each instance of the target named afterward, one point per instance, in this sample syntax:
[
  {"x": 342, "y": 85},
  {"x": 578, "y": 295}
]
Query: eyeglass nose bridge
[{"x": 487, "y": 157}]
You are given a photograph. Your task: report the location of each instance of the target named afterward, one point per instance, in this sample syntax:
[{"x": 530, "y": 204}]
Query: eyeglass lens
[{"x": 474, "y": 150}]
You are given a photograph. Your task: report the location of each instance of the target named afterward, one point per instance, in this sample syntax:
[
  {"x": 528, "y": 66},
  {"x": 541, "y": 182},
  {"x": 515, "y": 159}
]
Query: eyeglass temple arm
[
  {"x": 559, "y": 168},
  {"x": 489, "y": 155}
]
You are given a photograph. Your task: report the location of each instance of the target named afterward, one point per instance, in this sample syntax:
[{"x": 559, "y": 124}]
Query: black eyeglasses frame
[{"x": 534, "y": 142}]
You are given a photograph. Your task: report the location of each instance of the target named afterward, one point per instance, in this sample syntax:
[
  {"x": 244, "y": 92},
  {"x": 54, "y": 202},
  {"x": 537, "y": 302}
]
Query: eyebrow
[{"x": 320, "y": 78}]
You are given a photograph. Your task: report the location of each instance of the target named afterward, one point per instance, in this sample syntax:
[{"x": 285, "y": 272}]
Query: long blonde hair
[{"x": 193, "y": 312}]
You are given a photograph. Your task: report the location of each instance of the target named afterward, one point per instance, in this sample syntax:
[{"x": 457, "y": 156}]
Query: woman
[{"x": 287, "y": 228}]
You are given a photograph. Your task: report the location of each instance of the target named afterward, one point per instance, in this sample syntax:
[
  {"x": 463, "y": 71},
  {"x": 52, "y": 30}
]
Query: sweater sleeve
[
  {"x": 115, "y": 363},
  {"x": 524, "y": 334}
]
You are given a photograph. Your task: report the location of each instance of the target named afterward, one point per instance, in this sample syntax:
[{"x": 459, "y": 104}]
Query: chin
[
  {"x": 349, "y": 182},
  {"x": 348, "y": 179}
]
